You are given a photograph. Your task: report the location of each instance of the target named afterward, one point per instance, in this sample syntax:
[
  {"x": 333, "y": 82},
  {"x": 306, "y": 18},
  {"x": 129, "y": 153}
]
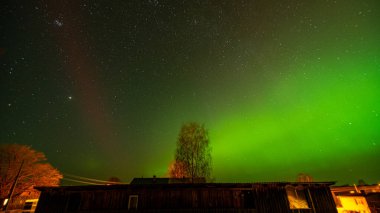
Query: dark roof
[
  {"x": 155, "y": 180},
  {"x": 179, "y": 185},
  {"x": 150, "y": 181}
]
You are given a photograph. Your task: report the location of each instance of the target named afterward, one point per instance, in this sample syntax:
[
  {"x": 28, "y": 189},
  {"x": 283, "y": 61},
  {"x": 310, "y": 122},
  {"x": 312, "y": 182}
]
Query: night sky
[{"x": 102, "y": 87}]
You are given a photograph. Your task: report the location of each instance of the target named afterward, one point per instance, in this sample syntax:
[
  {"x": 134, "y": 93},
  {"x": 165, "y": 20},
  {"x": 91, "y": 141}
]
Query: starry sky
[{"x": 103, "y": 87}]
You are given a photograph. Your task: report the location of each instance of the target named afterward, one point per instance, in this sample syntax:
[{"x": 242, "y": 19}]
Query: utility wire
[
  {"x": 71, "y": 176},
  {"x": 79, "y": 181}
]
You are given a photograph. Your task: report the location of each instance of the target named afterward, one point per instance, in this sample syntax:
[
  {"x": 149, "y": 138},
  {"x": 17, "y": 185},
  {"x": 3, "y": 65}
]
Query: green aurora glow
[
  {"x": 319, "y": 115},
  {"x": 283, "y": 86}
]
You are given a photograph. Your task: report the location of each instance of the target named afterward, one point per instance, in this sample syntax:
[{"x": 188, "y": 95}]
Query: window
[
  {"x": 296, "y": 197},
  {"x": 28, "y": 205},
  {"x": 133, "y": 201}
]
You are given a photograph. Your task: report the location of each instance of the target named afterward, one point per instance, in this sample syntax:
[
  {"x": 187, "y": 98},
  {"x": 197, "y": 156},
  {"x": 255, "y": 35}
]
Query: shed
[{"x": 273, "y": 197}]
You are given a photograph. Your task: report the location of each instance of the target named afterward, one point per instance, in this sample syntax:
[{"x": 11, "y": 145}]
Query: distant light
[
  {"x": 58, "y": 23},
  {"x": 70, "y": 97},
  {"x": 5, "y": 201},
  {"x": 352, "y": 192}
]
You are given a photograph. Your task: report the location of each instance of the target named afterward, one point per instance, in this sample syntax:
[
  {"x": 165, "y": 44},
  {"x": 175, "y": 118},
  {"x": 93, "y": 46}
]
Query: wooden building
[
  {"x": 361, "y": 198},
  {"x": 281, "y": 197}
]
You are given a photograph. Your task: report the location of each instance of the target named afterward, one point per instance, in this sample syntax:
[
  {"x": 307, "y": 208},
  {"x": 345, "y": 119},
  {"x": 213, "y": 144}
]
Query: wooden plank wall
[
  {"x": 52, "y": 201},
  {"x": 322, "y": 200},
  {"x": 271, "y": 199},
  {"x": 267, "y": 199}
]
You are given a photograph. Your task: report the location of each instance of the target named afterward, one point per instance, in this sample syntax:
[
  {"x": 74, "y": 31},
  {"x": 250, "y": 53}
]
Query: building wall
[
  {"x": 353, "y": 203},
  {"x": 259, "y": 198}
]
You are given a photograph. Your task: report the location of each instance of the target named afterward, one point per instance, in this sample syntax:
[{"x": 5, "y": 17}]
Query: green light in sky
[{"x": 313, "y": 120}]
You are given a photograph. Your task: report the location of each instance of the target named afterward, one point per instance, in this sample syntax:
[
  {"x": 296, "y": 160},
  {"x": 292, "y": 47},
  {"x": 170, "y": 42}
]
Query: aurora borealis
[{"x": 102, "y": 87}]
